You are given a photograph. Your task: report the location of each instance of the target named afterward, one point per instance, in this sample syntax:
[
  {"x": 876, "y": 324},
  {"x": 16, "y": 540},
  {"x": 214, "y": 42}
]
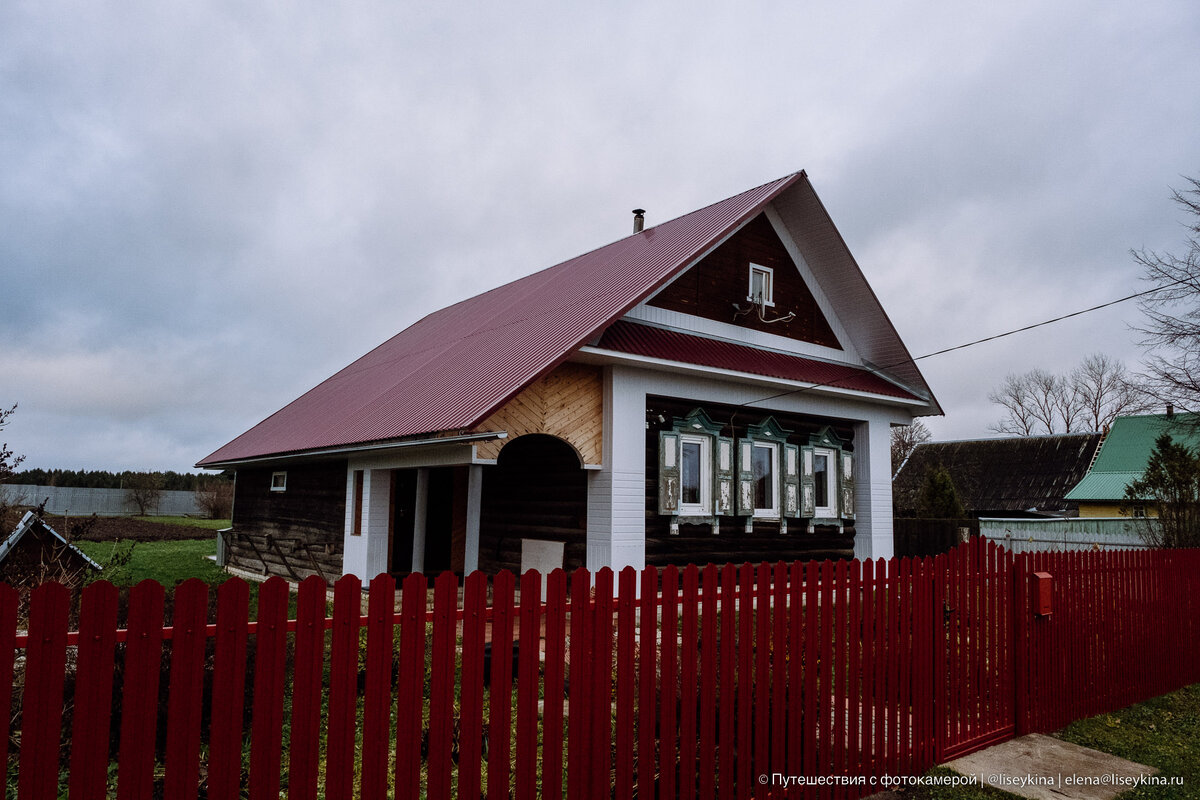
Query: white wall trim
[
  {"x": 811, "y": 389},
  {"x": 687, "y": 323}
]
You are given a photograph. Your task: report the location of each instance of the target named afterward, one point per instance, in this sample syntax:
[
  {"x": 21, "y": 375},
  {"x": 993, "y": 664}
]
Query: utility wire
[{"x": 878, "y": 370}]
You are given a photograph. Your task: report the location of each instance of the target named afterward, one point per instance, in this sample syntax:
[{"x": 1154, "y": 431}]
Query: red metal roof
[
  {"x": 645, "y": 340},
  {"x": 453, "y": 368}
]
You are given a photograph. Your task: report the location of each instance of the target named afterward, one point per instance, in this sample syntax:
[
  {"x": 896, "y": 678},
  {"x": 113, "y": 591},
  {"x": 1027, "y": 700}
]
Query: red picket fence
[{"x": 670, "y": 683}]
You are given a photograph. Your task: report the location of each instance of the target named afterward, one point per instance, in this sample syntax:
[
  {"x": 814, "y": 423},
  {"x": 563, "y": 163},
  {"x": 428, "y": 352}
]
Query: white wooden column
[
  {"x": 365, "y": 554},
  {"x": 474, "y": 507},
  {"x": 377, "y": 501},
  {"x": 616, "y": 503},
  {"x": 873, "y": 489},
  {"x": 420, "y": 504}
]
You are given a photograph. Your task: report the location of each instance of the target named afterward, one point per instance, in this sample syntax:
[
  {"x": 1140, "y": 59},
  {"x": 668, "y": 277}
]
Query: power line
[
  {"x": 1038, "y": 324},
  {"x": 878, "y": 370}
]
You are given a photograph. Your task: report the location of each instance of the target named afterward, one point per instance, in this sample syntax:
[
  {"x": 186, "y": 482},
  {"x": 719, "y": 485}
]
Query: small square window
[
  {"x": 278, "y": 481},
  {"x": 762, "y": 285}
]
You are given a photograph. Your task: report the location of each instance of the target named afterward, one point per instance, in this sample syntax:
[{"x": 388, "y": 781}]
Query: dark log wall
[
  {"x": 710, "y": 288},
  {"x": 293, "y": 534},
  {"x": 696, "y": 544},
  {"x": 536, "y": 491}
]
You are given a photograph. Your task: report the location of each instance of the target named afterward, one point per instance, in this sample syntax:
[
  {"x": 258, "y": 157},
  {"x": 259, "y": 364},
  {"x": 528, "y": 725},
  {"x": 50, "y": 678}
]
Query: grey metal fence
[
  {"x": 1078, "y": 533},
  {"x": 104, "y": 502}
]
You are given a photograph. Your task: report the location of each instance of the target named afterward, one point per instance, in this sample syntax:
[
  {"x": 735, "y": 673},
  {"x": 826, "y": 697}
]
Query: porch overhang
[{"x": 366, "y": 449}]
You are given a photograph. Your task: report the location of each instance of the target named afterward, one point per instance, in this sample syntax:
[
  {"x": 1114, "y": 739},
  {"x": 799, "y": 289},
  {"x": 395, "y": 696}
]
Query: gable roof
[
  {"x": 453, "y": 368},
  {"x": 1027, "y": 474},
  {"x": 1126, "y": 451},
  {"x": 32, "y": 523}
]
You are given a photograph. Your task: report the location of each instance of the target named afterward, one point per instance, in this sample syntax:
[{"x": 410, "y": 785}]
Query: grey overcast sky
[{"x": 207, "y": 208}]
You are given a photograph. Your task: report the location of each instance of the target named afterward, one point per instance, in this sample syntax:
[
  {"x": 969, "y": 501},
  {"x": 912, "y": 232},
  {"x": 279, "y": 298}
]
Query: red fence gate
[
  {"x": 975, "y": 676},
  {"x": 716, "y": 682}
]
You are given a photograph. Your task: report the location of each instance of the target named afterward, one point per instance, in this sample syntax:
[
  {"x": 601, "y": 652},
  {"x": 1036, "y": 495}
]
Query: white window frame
[
  {"x": 704, "y": 507},
  {"x": 768, "y": 274},
  {"x": 774, "y": 511},
  {"x": 832, "y": 465},
  {"x": 279, "y": 481}
]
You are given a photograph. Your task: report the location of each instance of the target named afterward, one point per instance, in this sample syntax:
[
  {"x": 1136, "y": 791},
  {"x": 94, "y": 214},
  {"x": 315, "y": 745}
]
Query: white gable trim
[
  {"x": 814, "y": 286},
  {"x": 687, "y": 323}
]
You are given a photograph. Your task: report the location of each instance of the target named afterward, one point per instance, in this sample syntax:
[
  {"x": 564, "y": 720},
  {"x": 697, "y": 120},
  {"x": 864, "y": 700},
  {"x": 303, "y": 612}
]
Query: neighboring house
[
  {"x": 34, "y": 550},
  {"x": 1022, "y": 476},
  {"x": 720, "y": 387},
  {"x": 1123, "y": 458}
]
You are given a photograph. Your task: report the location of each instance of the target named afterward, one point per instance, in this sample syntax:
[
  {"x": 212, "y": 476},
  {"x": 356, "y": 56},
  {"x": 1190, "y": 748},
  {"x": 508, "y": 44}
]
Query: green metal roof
[{"x": 1126, "y": 451}]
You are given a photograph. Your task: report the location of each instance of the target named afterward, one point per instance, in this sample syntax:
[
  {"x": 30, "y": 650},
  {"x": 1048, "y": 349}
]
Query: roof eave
[
  {"x": 598, "y": 355},
  {"x": 318, "y": 453}
]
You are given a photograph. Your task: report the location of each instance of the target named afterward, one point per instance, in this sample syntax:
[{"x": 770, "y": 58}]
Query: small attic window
[
  {"x": 278, "y": 481},
  {"x": 762, "y": 285}
]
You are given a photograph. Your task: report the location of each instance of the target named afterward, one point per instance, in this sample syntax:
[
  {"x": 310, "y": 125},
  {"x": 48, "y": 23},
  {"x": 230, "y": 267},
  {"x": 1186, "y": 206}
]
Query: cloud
[{"x": 208, "y": 209}]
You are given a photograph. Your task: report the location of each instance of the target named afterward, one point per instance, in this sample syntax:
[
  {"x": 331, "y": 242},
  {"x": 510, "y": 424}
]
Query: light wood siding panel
[{"x": 567, "y": 403}]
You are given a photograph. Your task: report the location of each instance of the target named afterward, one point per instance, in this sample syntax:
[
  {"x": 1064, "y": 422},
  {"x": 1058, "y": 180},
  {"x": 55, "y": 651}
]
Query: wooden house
[
  {"x": 720, "y": 387},
  {"x": 1122, "y": 459}
]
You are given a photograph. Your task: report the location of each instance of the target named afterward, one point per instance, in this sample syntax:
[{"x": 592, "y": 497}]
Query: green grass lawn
[
  {"x": 126, "y": 563},
  {"x": 1163, "y": 733}
]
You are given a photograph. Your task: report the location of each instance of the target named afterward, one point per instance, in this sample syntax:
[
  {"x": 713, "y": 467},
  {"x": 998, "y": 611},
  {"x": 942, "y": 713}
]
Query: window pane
[
  {"x": 690, "y": 480},
  {"x": 821, "y": 479},
  {"x": 764, "y": 478},
  {"x": 757, "y": 285}
]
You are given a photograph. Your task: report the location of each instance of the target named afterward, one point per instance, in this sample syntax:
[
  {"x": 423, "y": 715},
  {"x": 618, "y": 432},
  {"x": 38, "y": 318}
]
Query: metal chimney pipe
[
  {"x": 1170, "y": 410},
  {"x": 639, "y": 219}
]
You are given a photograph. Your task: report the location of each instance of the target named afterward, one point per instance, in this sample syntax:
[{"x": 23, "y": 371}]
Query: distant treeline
[{"x": 103, "y": 479}]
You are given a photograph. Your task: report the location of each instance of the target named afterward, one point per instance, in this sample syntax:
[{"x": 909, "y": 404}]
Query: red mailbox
[{"x": 1043, "y": 595}]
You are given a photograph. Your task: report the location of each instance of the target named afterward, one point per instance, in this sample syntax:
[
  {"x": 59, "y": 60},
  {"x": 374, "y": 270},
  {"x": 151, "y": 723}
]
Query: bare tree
[
  {"x": 1171, "y": 331},
  {"x": 1047, "y": 396},
  {"x": 1088, "y": 398},
  {"x": 1014, "y": 395},
  {"x": 8, "y": 462},
  {"x": 905, "y": 439},
  {"x": 143, "y": 489},
  {"x": 1106, "y": 391},
  {"x": 214, "y": 496}
]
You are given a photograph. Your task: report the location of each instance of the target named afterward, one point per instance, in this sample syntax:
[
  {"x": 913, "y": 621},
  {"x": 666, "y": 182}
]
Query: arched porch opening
[{"x": 534, "y": 499}]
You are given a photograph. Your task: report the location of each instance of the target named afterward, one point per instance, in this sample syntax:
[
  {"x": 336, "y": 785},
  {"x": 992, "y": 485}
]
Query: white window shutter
[
  {"x": 808, "y": 496},
  {"x": 723, "y": 473},
  {"x": 745, "y": 478},
  {"x": 668, "y": 473},
  {"x": 846, "y": 482},
  {"x": 791, "y": 481}
]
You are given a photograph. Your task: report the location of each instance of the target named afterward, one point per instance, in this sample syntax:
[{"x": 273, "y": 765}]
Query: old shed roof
[
  {"x": 453, "y": 368},
  {"x": 33, "y": 525},
  {"x": 1024, "y": 474}
]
